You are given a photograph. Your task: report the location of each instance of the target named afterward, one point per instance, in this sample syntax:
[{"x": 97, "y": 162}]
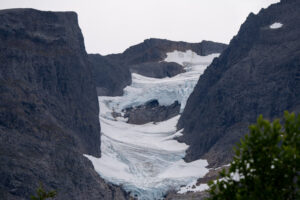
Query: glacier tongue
[{"x": 146, "y": 159}]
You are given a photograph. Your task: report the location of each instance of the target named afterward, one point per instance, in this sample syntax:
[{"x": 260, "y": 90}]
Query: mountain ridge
[
  {"x": 146, "y": 59},
  {"x": 256, "y": 74},
  {"x": 48, "y": 108}
]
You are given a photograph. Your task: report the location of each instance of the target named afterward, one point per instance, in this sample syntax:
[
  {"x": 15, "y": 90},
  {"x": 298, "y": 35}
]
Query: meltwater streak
[{"x": 146, "y": 159}]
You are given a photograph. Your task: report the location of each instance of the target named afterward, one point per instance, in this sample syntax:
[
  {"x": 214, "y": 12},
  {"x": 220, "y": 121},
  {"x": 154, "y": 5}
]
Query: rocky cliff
[
  {"x": 48, "y": 108},
  {"x": 154, "y": 50},
  {"x": 112, "y": 73},
  {"x": 110, "y": 77},
  {"x": 157, "y": 69},
  {"x": 151, "y": 112},
  {"x": 259, "y": 73}
]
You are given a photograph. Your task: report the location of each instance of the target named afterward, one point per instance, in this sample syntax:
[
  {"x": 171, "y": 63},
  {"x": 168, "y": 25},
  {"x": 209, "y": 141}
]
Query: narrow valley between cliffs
[
  {"x": 146, "y": 159},
  {"x": 163, "y": 119}
]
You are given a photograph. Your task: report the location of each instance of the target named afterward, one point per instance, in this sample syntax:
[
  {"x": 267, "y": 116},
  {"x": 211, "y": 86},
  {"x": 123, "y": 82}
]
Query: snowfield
[{"x": 146, "y": 159}]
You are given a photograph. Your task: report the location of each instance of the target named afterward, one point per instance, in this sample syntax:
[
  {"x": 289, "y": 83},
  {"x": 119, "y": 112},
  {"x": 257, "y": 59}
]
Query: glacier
[
  {"x": 165, "y": 90},
  {"x": 147, "y": 160}
]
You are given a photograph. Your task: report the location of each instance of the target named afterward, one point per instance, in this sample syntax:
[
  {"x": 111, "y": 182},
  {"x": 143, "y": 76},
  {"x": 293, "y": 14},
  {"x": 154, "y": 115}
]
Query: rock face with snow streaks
[
  {"x": 112, "y": 72},
  {"x": 259, "y": 73},
  {"x": 154, "y": 50},
  {"x": 48, "y": 108}
]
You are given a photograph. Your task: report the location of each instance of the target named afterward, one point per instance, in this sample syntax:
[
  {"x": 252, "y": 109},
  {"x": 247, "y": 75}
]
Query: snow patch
[
  {"x": 189, "y": 58},
  {"x": 276, "y": 25},
  {"x": 193, "y": 187}
]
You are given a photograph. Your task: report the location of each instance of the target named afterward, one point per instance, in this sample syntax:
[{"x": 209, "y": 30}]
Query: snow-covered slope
[
  {"x": 165, "y": 90},
  {"x": 146, "y": 159}
]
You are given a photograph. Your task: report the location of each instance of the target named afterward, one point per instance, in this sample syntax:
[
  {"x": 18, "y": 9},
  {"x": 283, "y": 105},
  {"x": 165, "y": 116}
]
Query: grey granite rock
[
  {"x": 154, "y": 50},
  {"x": 112, "y": 73},
  {"x": 259, "y": 73},
  {"x": 151, "y": 112},
  {"x": 110, "y": 77},
  {"x": 48, "y": 108},
  {"x": 157, "y": 69}
]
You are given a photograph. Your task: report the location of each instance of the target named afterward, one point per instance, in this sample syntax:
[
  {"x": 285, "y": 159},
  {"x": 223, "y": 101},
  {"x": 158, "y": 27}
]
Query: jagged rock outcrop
[
  {"x": 258, "y": 73},
  {"x": 157, "y": 69},
  {"x": 48, "y": 108},
  {"x": 151, "y": 112},
  {"x": 154, "y": 50},
  {"x": 110, "y": 77},
  {"x": 112, "y": 73}
]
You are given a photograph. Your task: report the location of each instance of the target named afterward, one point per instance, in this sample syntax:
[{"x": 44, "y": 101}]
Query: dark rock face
[
  {"x": 145, "y": 58},
  {"x": 112, "y": 73},
  {"x": 259, "y": 73},
  {"x": 151, "y": 112},
  {"x": 154, "y": 50},
  {"x": 48, "y": 108},
  {"x": 110, "y": 77},
  {"x": 157, "y": 69}
]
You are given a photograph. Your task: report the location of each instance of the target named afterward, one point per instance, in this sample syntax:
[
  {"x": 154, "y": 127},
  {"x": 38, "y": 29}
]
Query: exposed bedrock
[
  {"x": 154, "y": 50},
  {"x": 48, "y": 108},
  {"x": 110, "y": 77},
  {"x": 151, "y": 112},
  {"x": 157, "y": 69},
  {"x": 112, "y": 73},
  {"x": 258, "y": 73}
]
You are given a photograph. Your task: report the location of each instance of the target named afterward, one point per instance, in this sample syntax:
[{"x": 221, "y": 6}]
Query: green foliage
[
  {"x": 266, "y": 164},
  {"x": 41, "y": 194}
]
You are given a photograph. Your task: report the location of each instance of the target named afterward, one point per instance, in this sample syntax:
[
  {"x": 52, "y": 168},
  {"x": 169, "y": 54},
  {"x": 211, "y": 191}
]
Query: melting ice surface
[{"x": 146, "y": 159}]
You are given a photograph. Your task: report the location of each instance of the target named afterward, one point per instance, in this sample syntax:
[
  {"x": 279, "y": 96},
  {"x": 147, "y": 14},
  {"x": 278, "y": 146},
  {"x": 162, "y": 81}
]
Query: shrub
[
  {"x": 41, "y": 194},
  {"x": 266, "y": 164}
]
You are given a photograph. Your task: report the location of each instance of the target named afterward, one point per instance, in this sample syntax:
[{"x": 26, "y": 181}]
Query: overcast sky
[{"x": 111, "y": 26}]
